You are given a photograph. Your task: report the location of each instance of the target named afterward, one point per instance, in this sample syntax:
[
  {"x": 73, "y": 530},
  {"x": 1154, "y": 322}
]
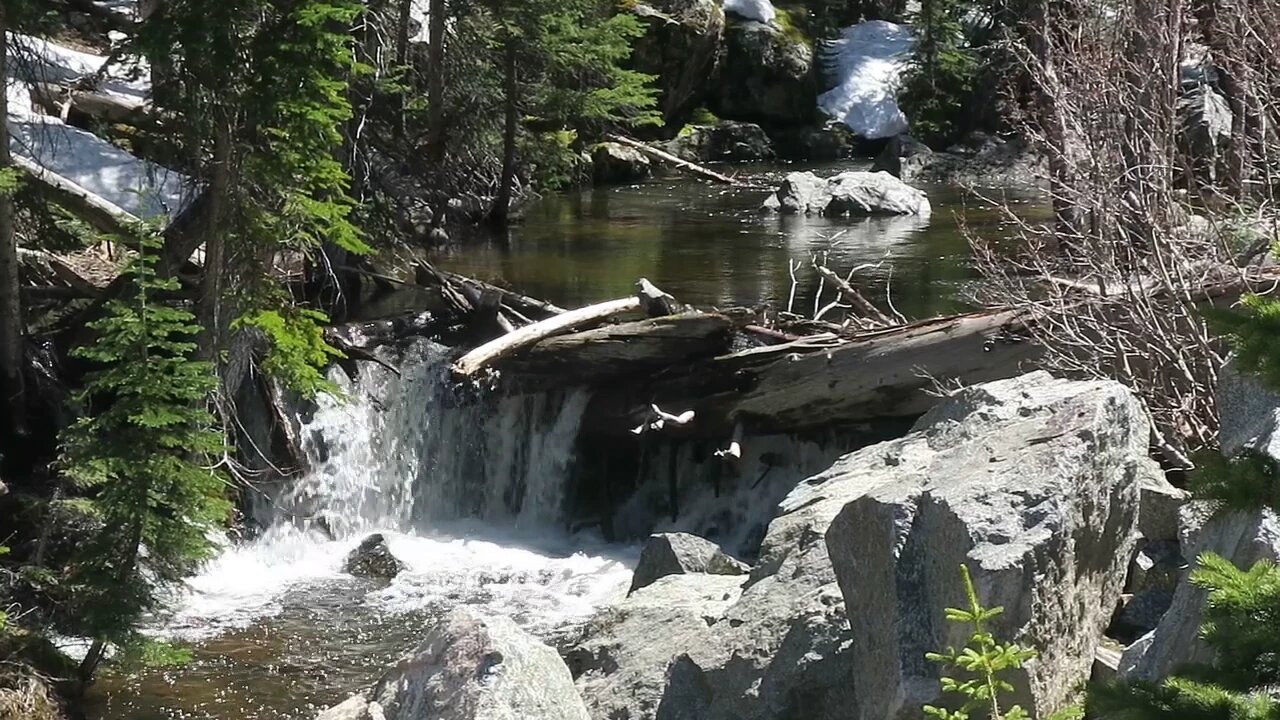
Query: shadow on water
[{"x": 710, "y": 245}]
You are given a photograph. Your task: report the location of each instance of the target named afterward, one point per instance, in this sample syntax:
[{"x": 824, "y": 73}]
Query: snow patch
[
  {"x": 758, "y": 10},
  {"x": 869, "y": 59},
  {"x": 142, "y": 188}
]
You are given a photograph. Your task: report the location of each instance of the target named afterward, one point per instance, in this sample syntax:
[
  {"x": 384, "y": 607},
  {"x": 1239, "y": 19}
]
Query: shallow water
[{"x": 710, "y": 245}]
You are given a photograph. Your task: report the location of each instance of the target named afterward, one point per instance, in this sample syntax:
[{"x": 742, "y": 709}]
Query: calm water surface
[{"x": 709, "y": 245}]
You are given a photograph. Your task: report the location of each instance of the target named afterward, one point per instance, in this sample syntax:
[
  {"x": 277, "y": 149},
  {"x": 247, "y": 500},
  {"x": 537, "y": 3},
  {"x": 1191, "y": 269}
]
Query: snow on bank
[
  {"x": 758, "y": 10},
  {"x": 868, "y": 59},
  {"x": 141, "y": 188}
]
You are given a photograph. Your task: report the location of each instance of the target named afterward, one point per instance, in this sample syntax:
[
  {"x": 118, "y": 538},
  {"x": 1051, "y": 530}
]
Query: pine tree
[
  {"x": 1242, "y": 625},
  {"x": 143, "y": 455},
  {"x": 939, "y": 83}
]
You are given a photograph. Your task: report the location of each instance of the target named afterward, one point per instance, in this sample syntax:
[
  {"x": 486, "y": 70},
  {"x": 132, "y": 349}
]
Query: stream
[{"x": 471, "y": 498}]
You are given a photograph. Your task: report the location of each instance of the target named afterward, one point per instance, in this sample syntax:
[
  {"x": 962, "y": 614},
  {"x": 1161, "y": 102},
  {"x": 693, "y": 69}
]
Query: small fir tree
[
  {"x": 940, "y": 79},
  {"x": 983, "y": 661},
  {"x": 143, "y": 456}
]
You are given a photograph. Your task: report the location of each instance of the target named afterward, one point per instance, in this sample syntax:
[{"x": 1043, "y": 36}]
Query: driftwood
[
  {"x": 672, "y": 160},
  {"x": 813, "y": 383},
  {"x": 860, "y": 303},
  {"x": 624, "y": 348},
  {"x": 647, "y": 298},
  {"x": 531, "y": 307}
]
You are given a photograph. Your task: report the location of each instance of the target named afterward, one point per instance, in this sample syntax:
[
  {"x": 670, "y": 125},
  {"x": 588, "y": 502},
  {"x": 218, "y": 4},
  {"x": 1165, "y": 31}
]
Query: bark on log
[
  {"x": 476, "y": 360},
  {"x": 674, "y": 161},
  {"x": 625, "y": 348},
  {"x": 810, "y": 384}
]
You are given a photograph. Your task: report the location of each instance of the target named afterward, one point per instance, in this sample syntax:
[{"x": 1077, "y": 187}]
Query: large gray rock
[
  {"x": 879, "y": 193},
  {"x": 1249, "y": 413},
  {"x": 849, "y": 193},
  {"x": 1032, "y": 483},
  {"x": 1032, "y": 480},
  {"x": 1242, "y": 537},
  {"x": 479, "y": 668},
  {"x": 678, "y": 553},
  {"x": 682, "y": 44},
  {"x": 1159, "y": 507},
  {"x": 1205, "y": 120},
  {"x": 767, "y": 75},
  {"x": 356, "y": 707}
]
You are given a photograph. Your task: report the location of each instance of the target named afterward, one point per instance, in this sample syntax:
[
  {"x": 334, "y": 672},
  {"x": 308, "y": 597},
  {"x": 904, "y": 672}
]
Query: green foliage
[
  {"x": 9, "y": 180},
  {"x": 1242, "y": 624},
  {"x": 142, "y": 652},
  {"x": 298, "y": 348},
  {"x": 142, "y": 455},
  {"x": 940, "y": 80},
  {"x": 983, "y": 660},
  {"x": 1254, "y": 330},
  {"x": 701, "y": 116},
  {"x": 1248, "y": 481}
]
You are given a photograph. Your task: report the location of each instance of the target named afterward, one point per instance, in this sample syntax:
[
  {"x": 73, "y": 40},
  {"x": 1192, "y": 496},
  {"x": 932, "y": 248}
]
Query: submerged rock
[
  {"x": 678, "y": 553},
  {"x": 373, "y": 559},
  {"x": 614, "y": 163},
  {"x": 1032, "y": 482},
  {"x": 479, "y": 668}
]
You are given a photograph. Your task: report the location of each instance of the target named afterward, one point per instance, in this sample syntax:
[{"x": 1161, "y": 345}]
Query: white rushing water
[{"x": 470, "y": 498}]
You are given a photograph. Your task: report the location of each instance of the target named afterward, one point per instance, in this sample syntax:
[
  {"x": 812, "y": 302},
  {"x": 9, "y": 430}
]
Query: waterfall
[
  {"x": 469, "y": 492},
  {"x": 402, "y": 452}
]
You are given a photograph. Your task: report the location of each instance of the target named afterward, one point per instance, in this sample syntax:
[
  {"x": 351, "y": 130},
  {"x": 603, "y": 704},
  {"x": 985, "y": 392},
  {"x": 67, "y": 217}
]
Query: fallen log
[
  {"x": 672, "y": 160},
  {"x": 624, "y": 348},
  {"x": 100, "y": 104},
  {"x": 647, "y": 298},
  {"x": 93, "y": 209},
  {"x": 522, "y": 303},
  {"x": 818, "y": 382}
]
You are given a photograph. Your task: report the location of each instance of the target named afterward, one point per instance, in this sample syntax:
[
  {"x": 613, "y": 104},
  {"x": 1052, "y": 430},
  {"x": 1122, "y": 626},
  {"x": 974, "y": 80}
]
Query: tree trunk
[
  {"x": 212, "y": 283},
  {"x": 501, "y": 212},
  {"x": 402, "y": 60},
  {"x": 435, "y": 81},
  {"x": 11, "y": 329}
]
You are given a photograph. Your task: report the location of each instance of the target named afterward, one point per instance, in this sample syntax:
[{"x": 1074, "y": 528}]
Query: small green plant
[
  {"x": 1248, "y": 481},
  {"x": 983, "y": 659}
]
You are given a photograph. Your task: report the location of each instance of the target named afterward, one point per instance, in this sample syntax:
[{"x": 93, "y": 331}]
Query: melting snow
[
  {"x": 142, "y": 188},
  {"x": 868, "y": 59},
  {"x": 758, "y": 10}
]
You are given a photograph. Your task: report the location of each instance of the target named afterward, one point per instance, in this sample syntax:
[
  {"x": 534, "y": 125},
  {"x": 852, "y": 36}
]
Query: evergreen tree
[
  {"x": 938, "y": 86},
  {"x": 143, "y": 455}
]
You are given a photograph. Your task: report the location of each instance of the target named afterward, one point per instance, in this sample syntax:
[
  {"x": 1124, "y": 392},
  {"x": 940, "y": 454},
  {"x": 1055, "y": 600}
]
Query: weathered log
[
  {"x": 476, "y": 360},
  {"x": 93, "y": 209},
  {"x": 525, "y": 305},
  {"x": 99, "y": 104},
  {"x": 674, "y": 161},
  {"x": 814, "y": 383},
  {"x": 625, "y": 348}
]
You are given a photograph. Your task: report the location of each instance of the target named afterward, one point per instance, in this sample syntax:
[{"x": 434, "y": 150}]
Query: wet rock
[
  {"x": 902, "y": 157},
  {"x": 682, "y": 45},
  {"x": 767, "y": 75},
  {"x": 678, "y": 553},
  {"x": 373, "y": 559},
  {"x": 356, "y": 707},
  {"x": 726, "y": 141},
  {"x": 618, "y": 164},
  {"x": 479, "y": 668},
  {"x": 1031, "y": 482},
  {"x": 801, "y": 193},
  {"x": 866, "y": 193},
  {"x": 979, "y": 159}
]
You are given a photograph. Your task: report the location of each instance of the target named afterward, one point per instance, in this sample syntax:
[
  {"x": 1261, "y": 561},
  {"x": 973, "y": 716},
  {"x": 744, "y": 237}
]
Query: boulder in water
[
  {"x": 471, "y": 667},
  {"x": 726, "y": 141},
  {"x": 677, "y": 553},
  {"x": 616, "y": 163},
  {"x": 373, "y": 559},
  {"x": 356, "y": 707},
  {"x": 849, "y": 193}
]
